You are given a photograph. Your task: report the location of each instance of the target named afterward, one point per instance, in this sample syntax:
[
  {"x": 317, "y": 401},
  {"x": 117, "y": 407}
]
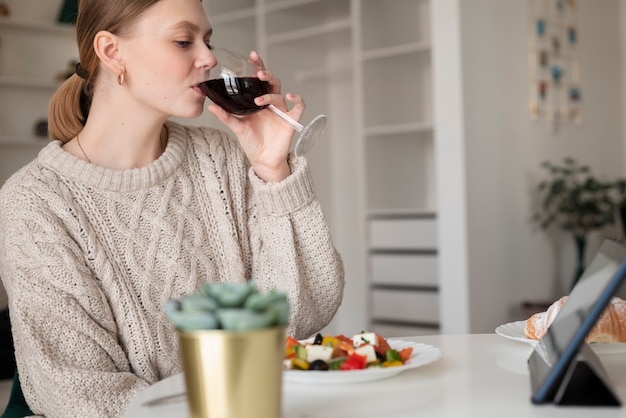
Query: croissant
[{"x": 610, "y": 328}]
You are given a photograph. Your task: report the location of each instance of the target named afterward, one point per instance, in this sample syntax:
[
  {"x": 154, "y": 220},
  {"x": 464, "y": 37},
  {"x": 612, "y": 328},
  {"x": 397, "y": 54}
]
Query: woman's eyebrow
[{"x": 185, "y": 24}]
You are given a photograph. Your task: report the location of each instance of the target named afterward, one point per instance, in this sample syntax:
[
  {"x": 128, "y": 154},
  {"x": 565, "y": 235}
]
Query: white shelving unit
[
  {"x": 32, "y": 53},
  {"x": 367, "y": 64},
  {"x": 309, "y": 44},
  {"x": 398, "y": 149}
]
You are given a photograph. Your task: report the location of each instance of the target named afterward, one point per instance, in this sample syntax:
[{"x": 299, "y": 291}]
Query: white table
[{"x": 479, "y": 375}]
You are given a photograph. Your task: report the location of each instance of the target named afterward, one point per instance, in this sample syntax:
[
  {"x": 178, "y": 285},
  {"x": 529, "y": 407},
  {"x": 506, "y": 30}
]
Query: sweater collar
[{"x": 55, "y": 158}]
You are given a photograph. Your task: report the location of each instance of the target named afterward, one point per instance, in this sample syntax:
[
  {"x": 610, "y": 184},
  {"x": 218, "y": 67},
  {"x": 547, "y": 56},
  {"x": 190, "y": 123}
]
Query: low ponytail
[{"x": 68, "y": 109}]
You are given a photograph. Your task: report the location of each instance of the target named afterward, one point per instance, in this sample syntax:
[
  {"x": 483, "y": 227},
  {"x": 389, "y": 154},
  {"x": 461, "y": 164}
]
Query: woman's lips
[{"x": 196, "y": 88}]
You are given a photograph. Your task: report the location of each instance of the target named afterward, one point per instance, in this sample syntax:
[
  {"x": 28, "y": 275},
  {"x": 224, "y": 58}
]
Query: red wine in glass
[
  {"x": 235, "y": 94},
  {"x": 234, "y": 87}
]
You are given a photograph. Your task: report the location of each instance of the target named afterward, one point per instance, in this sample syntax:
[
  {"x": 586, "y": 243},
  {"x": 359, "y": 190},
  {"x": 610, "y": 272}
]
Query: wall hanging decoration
[{"x": 553, "y": 63}]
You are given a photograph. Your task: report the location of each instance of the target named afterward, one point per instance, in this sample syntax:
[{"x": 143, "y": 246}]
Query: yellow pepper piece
[
  {"x": 330, "y": 341},
  {"x": 300, "y": 364},
  {"x": 392, "y": 363},
  {"x": 290, "y": 352},
  {"x": 375, "y": 363}
]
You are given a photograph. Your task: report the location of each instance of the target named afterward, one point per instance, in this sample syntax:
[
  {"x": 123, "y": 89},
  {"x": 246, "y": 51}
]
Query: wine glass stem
[{"x": 296, "y": 125}]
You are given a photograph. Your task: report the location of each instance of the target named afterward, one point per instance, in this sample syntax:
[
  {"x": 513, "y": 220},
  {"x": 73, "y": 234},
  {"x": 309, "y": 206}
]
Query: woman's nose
[{"x": 206, "y": 60}]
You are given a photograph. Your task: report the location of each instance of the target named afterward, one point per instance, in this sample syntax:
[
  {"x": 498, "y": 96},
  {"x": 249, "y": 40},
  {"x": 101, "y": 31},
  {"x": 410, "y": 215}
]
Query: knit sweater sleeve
[
  {"x": 282, "y": 233},
  {"x": 293, "y": 248},
  {"x": 64, "y": 331},
  {"x": 284, "y": 236}
]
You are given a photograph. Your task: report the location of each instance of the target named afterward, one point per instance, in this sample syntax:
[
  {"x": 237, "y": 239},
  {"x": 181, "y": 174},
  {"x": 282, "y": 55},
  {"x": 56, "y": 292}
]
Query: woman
[{"x": 124, "y": 210}]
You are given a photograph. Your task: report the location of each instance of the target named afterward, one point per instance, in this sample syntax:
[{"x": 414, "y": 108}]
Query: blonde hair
[{"x": 70, "y": 104}]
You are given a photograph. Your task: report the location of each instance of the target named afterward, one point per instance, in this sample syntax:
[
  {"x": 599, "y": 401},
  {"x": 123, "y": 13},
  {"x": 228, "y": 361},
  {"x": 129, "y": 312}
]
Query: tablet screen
[{"x": 586, "y": 302}]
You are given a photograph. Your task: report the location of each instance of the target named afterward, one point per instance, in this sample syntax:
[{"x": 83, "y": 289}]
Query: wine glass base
[{"x": 310, "y": 134}]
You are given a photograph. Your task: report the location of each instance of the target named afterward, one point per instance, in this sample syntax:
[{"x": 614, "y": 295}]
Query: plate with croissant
[{"x": 608, "y": 336}]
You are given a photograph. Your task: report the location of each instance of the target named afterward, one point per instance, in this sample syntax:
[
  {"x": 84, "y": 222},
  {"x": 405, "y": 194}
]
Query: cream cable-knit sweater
[{"x": 89, "y": 256}]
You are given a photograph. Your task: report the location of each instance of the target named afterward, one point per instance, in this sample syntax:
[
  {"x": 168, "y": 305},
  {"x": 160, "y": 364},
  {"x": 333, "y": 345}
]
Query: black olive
[
  {"x": 318, "y": 365},
  {"x": 318, "y": 339},
  {"x": 380, "y": 356}
]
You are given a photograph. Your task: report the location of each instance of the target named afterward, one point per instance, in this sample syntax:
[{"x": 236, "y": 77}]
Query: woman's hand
[{"x": 264, "y": 137}]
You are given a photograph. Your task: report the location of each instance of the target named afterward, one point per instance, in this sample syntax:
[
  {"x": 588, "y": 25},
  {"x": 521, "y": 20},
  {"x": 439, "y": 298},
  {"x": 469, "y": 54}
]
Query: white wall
[
  {"x": 622, "y": 38},
  {"x": 509, "y": 260}
]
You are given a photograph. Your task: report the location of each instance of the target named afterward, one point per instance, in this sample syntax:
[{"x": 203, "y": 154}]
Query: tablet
[{"x": 563, "y": 368}]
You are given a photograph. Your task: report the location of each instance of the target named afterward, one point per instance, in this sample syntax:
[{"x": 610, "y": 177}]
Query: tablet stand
[
  {"x": 563, "y": 368},
  {"x": 585, "y": 382}
]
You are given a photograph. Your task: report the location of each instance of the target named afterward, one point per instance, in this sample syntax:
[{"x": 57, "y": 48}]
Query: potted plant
[
  {"x": 573, "y": 199},
  {"x": 232, "y": 345}
]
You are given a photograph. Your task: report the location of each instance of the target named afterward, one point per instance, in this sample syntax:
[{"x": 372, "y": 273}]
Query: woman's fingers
[
  {"x": 263, "y": 74},
  {"x": 226, "y": 118},
  {"x": 279, "y": 101},
  {"x": 297, "y": 110},
  {"x": 272, "y": 80},
  {"x": 257, "y": 61}
]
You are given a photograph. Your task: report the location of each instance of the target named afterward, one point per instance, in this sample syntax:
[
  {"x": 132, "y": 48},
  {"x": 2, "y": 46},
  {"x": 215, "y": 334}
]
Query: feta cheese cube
[
  {"x": 364, "y": 338},
  {"x": 367, "y": 351},
  {"x": 318, "y": 352}
]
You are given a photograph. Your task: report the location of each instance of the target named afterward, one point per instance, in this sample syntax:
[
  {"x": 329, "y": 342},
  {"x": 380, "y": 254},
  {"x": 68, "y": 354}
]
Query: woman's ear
[{"x": 106, "y": 46}]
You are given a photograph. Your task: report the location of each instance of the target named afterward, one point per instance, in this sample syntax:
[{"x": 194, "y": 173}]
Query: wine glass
[{"x": 234, "y": 86}]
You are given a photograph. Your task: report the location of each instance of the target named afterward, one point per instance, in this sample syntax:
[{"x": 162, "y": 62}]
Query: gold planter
[{"x": 233, "y": 374}]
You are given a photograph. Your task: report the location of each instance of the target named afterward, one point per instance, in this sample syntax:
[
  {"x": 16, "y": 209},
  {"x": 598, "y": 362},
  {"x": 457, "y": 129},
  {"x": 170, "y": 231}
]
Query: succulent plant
[{"x": 229, "y": 306}]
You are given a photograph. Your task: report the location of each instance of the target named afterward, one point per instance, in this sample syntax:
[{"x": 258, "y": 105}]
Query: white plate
[
  {"x": 515, "y": 331},
  {"x": 422, "y": 355}
]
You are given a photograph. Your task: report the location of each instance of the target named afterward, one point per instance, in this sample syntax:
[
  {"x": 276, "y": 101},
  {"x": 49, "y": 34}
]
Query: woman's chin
[{"x": 191, "y": 113}]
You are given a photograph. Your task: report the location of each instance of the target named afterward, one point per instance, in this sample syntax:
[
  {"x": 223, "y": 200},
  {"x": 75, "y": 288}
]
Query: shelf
[
  {"x": 28, "y": 82},
  {"x": 427, "y": 327},
  {"x": 35, "y": 49},
  {"x": 397, "y": 90},
  {"x": 397, "y": 50},
  {"x": 400, "y": 213},
  {"x": 320, "y": 73},
  {"x": 274, "y": 6},
  {"x": 396, "y": 213},
  {"x": 233, "y": 16},
  {"x": 394, "y": 159},
  {"x": 418, "y": 308},
  {"x": 397, "y": 22},
  {"x": 50, "y": 27},
  {"x": 228, "y": 9},
  {"x": 238, "y": 34},
  {"x": 310, "y": 32},
  {"x": 400, "y": 128},
  {"x": 306, "y": 18}
]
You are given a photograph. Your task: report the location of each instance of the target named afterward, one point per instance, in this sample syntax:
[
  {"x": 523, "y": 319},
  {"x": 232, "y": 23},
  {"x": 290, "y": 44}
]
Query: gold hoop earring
[{"x": 120, "y": 78}]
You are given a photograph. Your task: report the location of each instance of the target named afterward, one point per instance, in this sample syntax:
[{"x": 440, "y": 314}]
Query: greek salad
[{"x": 364, "y": 350}]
